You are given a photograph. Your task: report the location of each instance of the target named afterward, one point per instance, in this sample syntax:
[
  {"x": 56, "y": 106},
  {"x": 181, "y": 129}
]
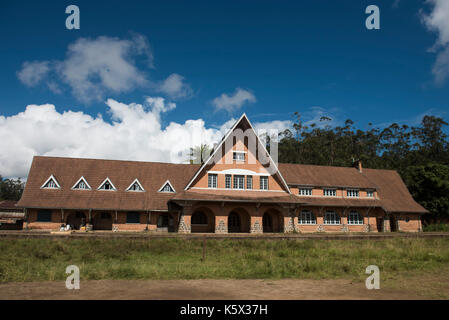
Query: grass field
[{"x": 46, "y": 259}]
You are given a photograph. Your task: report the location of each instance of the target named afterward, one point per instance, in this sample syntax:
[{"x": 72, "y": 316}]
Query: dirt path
[{"x": 289, "y": 289}]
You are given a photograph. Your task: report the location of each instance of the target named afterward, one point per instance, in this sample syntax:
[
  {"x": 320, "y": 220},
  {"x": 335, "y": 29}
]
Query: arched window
[
  {"x": 306, "y": 217},
  {"x": 355, "y": 218},
  {"x": 199, "y": 218},
  {"x": 331, "y": 217}
]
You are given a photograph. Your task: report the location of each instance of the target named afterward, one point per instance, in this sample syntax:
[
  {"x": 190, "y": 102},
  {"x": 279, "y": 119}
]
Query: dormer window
[
  {"x": 135, "y": 186},
  {"x": 238, "y": 156},
  {"x": 107, "y": 185},
  {"x": 167, "y": 187},
  {"x": 81, "y": 184},
  {"x": 352, "y": 193},
  {"x": 330, "y": 192},
  {"x": 51, "y": 183}
]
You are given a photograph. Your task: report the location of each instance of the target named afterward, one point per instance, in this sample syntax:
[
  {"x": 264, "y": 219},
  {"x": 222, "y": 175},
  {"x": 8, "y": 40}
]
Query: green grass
[
  {"x": 47, "y": 259},
  {"x": 438, "y": 227}
]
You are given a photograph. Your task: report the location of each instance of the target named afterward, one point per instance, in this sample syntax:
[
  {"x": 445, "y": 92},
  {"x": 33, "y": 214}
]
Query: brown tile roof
[
  {"x": 8, "y": 204},
  {"x": 392, "y": 191},
  {"x": 67, "y": 172},
  {"x": 323, "y": 176},
  {"x": 394, "y": 196}
]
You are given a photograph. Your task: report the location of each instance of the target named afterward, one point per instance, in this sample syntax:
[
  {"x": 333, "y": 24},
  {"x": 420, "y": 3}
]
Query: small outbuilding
[{"x": 11, "y": 217}]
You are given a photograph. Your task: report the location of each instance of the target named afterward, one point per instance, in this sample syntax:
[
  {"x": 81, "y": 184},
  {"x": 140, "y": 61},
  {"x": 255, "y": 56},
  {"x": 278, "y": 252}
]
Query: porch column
[
  {"x": 256, "y": 221},
  {"x": 62, "y": 215},
  {"x": 185, "y": 219},
  {"x": 387, "y": 223},
  {"x": 221, "y": 220},
  {"x": 289, "y": 219}
]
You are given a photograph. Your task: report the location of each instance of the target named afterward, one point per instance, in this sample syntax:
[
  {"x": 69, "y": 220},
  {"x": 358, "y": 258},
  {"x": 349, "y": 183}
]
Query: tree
[
  {"x": 11, "y": 189},
  {"x": 199, "y": 154},
  {"x": 429, "y": 185}
]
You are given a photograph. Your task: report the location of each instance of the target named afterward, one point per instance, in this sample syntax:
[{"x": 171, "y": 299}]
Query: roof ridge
[{"x": 114, "y": 160}]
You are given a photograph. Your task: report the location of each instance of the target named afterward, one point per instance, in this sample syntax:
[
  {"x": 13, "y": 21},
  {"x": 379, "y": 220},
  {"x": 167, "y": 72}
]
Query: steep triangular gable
[
  {"x": 219, "y": 148},
  {"x": 51, "y": 183},
  {"x": 81, "y": 184},
  {"x": 167, "y": 187},
  {"x": 135, "y": 186},
  {"x": 107, "y": 185}
]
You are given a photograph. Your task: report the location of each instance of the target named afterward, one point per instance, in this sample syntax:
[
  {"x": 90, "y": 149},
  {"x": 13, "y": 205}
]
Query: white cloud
[
  {"x": 175, "y": 87},
  {"x": 233, "y": 102},
  {"x": 33, "y": 72},
  {"x": 135, "y": 133},
  {"x": 94, "y": 67},
  {"x": 438, "y": 21}
]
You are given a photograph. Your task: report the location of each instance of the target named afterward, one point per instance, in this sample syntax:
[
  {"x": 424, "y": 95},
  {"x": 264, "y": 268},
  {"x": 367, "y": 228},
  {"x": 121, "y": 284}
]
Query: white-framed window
[
  {"x": 107, "y": 185},
  {"x": 306, "y": 217},
  {"x": 238, "y": 156},
  {"x": 228, "y": 179},
  {"x": 239, "y": 182},
  {"x": 81, "y": 184},
  {"x": 355, "y": 218},
  {"x": 135, "y": 186},
  {"x": 370, "y": 194},
  {"x": 263, "y": 183},
  {"x": 331, "y": 217},
  {"x": 305, "y": 191},
  {"x": 51, "y": 183},
  {"x": 352, "y": 193},
  {"x": 330, "y": 192},
  {"x": 249, "y": 182},
  {"x": 212, "y": 180}
]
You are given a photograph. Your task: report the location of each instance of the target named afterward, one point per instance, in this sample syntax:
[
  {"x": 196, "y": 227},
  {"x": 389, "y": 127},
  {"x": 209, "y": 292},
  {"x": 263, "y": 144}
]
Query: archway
[
  {"x": 76, "y": 220},
  {"x": 272, "y": 221},
  {"x": 102, "y": 221},
  {"x": 165, "y": 222},
  {"x": 238, "y": 221},
  {"x": 203, "y": 220}
]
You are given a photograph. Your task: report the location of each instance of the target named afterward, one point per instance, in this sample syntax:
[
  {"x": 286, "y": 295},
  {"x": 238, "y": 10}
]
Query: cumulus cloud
[
  {"x": 438, "y": 21},
  {"x": 233, "y": 102},
  {"x": 94, "y": 67},
  {"x": 175, "y": 87},
  {"x": 33, "y": 72},
  {"x": 135, "y": 132}
]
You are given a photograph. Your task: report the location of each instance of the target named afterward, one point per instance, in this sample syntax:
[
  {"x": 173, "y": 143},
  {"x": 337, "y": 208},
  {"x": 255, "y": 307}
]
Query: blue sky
[{"x": 314, "y": 57}]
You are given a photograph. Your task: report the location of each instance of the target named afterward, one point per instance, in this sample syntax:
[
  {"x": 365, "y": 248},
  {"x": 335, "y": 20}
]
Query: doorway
[
  {"x": 393, "y": 224},
  {"x": 380, "y": 224},
  {"x": 234, "y": 223},
  {"x": 165, "y": 223}
]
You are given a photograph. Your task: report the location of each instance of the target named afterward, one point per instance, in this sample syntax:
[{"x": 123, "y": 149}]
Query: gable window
[
  {"x": 263, "y": 183},
  {"x": 228, "y": 178},
  {"x": 212, "y": 180},
  {"x": 305, "y": 191},
  {"x": 81, "y": 184},
  {"x": 355, "y": 218},
  {"x": 44, "y": 216},
  {"x": 132, "y": 217},
  {"x": 238, "y": 156},
  {"x": 199, "y": 218},
  {"x": 239, "y": 182},
  {"x": 51, "y": 183},
  {"x": 352, "y": 193},
  {"x": 167, "y": 187},
  {"x": 107, "y": 185},
  {"x": 370, "y": 194},
  {"x": 330, "y": 192},
  {"x": 249, "y": 182},
  {"x": 135, "y": 186},
  {"x": 331, "y": 217},
  {"x": 306, "y": 217}
]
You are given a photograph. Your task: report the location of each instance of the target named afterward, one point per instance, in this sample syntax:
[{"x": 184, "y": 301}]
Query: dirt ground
[{"x": 286, "y": 289}]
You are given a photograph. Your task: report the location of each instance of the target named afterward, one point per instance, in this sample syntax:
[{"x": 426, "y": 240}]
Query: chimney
[{"x": 358, "y": 165}]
